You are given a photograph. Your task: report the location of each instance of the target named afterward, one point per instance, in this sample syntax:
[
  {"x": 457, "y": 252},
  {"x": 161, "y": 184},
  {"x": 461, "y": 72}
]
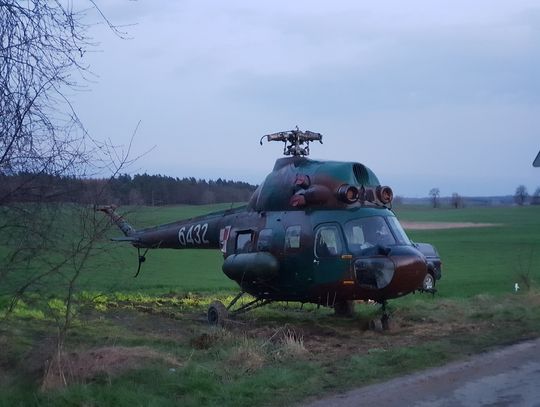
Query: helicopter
[{"x": 314, "y": 231}]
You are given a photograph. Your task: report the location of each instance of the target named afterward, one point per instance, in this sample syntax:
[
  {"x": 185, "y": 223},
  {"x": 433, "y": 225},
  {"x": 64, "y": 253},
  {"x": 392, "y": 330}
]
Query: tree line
[
  {"x": 124, "y": 189},
  {"x": 521, "y": 196}
]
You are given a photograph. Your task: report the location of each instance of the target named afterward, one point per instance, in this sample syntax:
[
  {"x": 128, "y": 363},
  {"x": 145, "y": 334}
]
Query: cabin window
[
  {"x": 292, "y": 237},
  {"x": 265, "y": 240},
  {"x": 244, "y": 242},
  {"x": 328, "y": 242}
]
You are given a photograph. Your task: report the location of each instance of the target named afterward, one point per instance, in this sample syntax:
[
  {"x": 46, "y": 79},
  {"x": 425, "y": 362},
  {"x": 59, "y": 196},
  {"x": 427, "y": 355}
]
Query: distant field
[{"x": 482, "y": 260}]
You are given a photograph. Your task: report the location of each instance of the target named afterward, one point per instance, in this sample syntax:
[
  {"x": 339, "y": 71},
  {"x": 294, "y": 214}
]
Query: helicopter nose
[{"x": 374, "y": 272}]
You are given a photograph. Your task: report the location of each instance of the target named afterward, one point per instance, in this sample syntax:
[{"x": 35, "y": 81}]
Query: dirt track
[{"x": 505, "y": 377}]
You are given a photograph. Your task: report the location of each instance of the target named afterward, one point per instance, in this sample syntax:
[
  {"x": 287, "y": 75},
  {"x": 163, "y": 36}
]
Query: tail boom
[{"x": 110, "y": 211}]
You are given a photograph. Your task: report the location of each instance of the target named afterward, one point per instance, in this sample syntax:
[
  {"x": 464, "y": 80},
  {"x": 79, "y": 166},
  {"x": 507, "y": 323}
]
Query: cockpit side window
[
  {"x": 368, "y": 232},
  {"x": 328, "y": 242}
]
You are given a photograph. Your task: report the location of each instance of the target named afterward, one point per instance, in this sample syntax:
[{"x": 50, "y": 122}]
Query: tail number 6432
[{"x": 196, "y": 234}]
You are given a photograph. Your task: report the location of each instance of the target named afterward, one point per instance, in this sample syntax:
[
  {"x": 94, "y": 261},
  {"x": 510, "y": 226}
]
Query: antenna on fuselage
[{"x": 296, "y": 141}]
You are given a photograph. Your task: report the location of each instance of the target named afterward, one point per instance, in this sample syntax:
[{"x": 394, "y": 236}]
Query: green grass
[
  {"x": 163, "y": 309},
  {"x": 220, "y": 374}
]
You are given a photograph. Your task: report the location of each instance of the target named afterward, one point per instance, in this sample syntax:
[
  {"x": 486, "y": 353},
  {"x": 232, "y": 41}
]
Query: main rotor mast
[{"x": 296, "y": 141}]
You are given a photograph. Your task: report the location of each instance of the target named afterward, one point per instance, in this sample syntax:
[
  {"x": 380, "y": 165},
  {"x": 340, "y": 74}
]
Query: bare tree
[
  {"x": 535, "y": 199},
  {"x": 456, "y": 201},
  {"x": 520, "y": 197},
  {"x": 42, "y": 48},
  {"x": 46, "y": 244},
  {"x": 434, "y": 193}
]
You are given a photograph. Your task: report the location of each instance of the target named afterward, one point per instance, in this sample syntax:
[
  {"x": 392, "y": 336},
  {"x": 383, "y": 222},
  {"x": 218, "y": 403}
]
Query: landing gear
[
  {"x": 429, "y": 282},
  {"x": 382, "y": 323},
  {"x": 344, "y": 309},
  {"x": 218, "y": 313},
  {"x": 428, "y": 285}
]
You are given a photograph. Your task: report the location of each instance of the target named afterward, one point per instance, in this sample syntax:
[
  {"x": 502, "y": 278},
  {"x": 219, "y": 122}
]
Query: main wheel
[
  {"x": 380, "y": 324},
  {"x": 429, "y": 282},
  {"x": 385, "y": 322},
  {"x": 217, "y": 314},
  {"x": 376, "y": 325},
  {"x": 344, "y": 308}
]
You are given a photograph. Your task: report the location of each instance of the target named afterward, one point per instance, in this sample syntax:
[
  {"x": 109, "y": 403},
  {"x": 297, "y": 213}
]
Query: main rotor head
[{"x": 296, "y": 141}]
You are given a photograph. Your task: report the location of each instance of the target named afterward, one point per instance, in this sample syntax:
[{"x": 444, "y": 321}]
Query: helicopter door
[{"x": 328, "y": 248}]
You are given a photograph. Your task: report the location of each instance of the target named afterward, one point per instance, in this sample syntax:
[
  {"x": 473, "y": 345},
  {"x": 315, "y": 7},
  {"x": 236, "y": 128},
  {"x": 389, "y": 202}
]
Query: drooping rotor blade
[{"x": 536, "y": 162}]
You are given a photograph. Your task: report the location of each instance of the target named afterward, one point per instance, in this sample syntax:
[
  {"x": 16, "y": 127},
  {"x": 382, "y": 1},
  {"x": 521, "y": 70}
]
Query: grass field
[
  {"x": 154, "y": 347},
  {"x": 483, "y": 260}
]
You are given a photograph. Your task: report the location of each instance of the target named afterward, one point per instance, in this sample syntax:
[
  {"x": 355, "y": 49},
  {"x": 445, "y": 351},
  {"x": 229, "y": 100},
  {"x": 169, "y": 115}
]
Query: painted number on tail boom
[{"x": 196, "y": 234}]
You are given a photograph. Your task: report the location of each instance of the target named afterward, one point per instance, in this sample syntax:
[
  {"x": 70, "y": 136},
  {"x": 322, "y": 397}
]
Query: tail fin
[{"x": 124, "y": 226}]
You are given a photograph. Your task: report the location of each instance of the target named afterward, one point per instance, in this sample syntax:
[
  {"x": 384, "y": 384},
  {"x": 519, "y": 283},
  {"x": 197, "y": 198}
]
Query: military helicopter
[{"x": 319, "y": 232}]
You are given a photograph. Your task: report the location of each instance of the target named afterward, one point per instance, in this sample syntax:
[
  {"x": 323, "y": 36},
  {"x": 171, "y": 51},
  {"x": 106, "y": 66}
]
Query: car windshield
[{"x": 364, "y": 233}]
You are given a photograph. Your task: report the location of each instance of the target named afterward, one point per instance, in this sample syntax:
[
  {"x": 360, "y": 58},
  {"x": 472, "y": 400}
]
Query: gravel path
[{"x": 505, "y": 377}]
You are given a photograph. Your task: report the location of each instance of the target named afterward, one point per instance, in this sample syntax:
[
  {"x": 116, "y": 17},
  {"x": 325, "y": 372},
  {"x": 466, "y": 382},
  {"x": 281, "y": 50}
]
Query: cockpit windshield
[
  {"x": 368, "y": 232},
  {"x": 399, "y": 233}
]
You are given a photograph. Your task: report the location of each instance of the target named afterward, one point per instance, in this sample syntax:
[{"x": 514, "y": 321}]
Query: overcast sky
[{"x": 426, "y": 93}]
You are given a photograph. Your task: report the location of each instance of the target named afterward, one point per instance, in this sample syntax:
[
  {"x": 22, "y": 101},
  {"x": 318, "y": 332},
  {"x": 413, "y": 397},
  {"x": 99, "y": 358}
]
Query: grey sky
[{"x": 426, "y": 93}]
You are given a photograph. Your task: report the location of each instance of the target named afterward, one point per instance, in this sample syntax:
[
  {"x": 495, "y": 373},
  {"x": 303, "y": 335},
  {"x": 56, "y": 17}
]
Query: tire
[
  {"x": 376, "y": 325},
  {"x": 217, "y": 314},
  {"x": 429, "y": 282},
  {"x": 385, "y": 322},
  {"x": 344, "y": 309}
]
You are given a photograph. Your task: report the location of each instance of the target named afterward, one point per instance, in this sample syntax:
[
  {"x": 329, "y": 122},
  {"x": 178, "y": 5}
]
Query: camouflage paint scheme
[{"x": 269, "y": 245}]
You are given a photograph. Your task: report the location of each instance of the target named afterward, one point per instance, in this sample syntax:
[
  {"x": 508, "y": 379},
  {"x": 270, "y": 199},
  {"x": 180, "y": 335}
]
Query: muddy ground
[{"x": 324, "y": 336}]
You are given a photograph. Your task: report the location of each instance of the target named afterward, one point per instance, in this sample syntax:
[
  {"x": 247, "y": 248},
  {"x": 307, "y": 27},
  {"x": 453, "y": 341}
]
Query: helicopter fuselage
[
  {"x": 319, "y": 256},
  {"x": 324, "y": 256},
  {"x": 313, "y": 231}
]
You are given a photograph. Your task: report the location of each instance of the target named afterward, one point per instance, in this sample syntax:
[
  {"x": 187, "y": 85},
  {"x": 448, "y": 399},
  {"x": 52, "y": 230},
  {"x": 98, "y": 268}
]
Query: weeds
[
  {"x": 524, "y": 270},
  {"x": 248, "y": 356},
  {"x": 291, "y": 346}
]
